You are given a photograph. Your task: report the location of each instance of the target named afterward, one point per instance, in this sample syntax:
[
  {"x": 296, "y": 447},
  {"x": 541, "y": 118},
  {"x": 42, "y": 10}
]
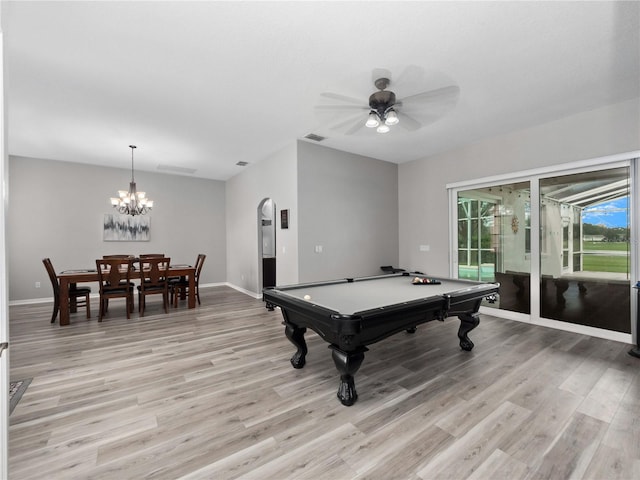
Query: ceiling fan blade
[
  {"x": 451, "y": 92},
  {"x": 407, "y": 122},
  {"x": 349, "y": 123},
  {"x": 412, "y": 74},
  {"x": 340, "y": 107},
  {"x": 355, "y": 128},
  {"x": 343, "y": 98}
]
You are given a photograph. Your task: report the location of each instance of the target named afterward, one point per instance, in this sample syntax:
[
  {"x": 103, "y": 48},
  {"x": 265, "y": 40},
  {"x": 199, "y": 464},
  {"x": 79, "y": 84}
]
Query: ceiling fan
[{"x": 385, "y": 110}]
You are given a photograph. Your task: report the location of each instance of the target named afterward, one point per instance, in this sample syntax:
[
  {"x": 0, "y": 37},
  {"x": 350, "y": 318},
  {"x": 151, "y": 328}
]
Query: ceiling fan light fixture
[
  {"x": 383, "y": 128},
  {"x": 391, "y": 118},
  {"x": 372, "y": 120}
]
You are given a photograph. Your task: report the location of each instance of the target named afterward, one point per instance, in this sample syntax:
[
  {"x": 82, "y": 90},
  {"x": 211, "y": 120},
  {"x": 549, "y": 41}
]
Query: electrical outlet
[{"x": 37, "y": 284}]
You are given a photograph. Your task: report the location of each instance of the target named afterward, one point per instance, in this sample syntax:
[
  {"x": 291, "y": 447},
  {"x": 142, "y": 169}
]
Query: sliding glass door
[
  {"x": 558, "y": 244},
  {"x": 494, "y": 241},
  {"x": 585, "y": 271}
]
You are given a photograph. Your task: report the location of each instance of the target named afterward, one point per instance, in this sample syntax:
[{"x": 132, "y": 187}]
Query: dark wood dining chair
[
  {"x": 77, "y": 295},
  {"x": 153, "y": 281},
  {"x": 120, "y": 256},
  {"x": 114, "y": 278},
  {"x": 180, "y": 287}
]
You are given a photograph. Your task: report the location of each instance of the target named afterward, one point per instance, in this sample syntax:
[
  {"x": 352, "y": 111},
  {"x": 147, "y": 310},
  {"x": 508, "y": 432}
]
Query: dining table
[{"x": 70, "y": 278}]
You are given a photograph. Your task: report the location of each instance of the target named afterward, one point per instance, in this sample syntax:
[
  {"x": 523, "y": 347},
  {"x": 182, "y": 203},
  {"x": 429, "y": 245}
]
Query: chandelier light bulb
[{"x": 383, "y": 129}]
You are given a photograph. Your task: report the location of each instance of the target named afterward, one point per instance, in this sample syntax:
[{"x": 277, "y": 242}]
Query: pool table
[{"x": 354, "y": 312}]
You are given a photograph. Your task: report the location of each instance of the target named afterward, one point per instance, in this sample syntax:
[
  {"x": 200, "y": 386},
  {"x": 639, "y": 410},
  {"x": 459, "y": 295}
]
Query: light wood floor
[{"x": 210, "y": 394}]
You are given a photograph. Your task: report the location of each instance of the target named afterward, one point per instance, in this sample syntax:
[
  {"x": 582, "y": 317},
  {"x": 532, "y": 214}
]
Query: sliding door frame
[{"x": 534, "y": 176}]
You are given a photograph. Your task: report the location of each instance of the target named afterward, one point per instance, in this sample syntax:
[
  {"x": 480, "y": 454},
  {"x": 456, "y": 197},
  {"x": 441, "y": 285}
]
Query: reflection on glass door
[
  {"x": 494, "y": 241},
  {"x": 476, "y": 249},
  {"x": 585, "y": 265}
]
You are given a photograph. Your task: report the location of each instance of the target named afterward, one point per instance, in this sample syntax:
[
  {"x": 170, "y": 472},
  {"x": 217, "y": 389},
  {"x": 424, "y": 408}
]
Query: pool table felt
[{"x": 348, "y": 298}]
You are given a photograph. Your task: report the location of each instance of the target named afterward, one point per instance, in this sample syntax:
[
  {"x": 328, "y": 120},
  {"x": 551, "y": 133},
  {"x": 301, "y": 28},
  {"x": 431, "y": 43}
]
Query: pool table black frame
[{"x": 348, "y": 335}]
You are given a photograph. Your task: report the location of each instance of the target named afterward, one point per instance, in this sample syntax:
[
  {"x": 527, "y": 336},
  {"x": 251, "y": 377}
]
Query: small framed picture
[{"x": 284, "y": 219}]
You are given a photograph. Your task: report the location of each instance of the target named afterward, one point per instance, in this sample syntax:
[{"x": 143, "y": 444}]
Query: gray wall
[
  {"x": 56, "y": 210},
  {"x": 364, "y": 212},
  {"x": 423, "y": 204},
  {"x": 275, "y": 178},
  {"x": 348, "y": 204}
]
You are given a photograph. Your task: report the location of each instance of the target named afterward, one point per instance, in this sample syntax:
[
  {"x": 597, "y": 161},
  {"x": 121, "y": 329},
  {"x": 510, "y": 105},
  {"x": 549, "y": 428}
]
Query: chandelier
[{"x": 132, "y": 202}]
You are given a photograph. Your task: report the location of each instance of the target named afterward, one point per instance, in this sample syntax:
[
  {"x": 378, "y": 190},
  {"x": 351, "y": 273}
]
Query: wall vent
[
  {"x": 242, "y": 164},
  {"x": 314, "y": 137}
]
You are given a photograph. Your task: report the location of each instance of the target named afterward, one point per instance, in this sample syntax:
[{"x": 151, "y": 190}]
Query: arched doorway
[{"x": 266, "y": 243}]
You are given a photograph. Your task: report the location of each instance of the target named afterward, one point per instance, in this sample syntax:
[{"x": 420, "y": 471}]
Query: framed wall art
[{"x": 125, "y": 228}]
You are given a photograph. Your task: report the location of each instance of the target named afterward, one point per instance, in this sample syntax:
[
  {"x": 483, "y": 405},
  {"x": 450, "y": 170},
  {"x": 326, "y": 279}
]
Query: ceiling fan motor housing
[{"x": 382, "y": 101}]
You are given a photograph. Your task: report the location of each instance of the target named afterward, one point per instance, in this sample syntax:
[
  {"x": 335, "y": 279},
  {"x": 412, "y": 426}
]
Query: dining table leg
[
  {"x": 64, "y": 302},
  {"x": 192, "y": 291},
  {"x": 73, "y": 300}
]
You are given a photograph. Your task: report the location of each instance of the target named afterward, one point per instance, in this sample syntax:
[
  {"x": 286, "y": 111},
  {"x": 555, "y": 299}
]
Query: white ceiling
[{"x": 204, "y": 85}]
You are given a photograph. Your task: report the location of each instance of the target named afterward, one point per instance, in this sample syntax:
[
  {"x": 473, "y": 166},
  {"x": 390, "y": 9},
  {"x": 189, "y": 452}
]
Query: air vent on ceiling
[
  {"x": 314, "y": 137},
  {"x": 174, "y": 168},
  {"x": 242, "y": 164}
]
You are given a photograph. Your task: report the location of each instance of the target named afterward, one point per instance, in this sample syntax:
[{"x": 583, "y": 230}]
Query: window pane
[
  {"x": 463, "y": 208},
  {"x": 486, "y": 229},
  {"x": 474, "y": 209},
  {"x": 463, "y": 233},
  {"x": 474, "y": 232}
]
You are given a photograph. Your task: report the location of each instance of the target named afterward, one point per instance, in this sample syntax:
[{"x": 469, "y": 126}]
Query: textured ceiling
[{"x": 199, "y": 86}]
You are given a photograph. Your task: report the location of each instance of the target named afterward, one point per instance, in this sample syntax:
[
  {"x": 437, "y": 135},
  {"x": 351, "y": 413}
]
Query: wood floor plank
[
  {"x": 603, "y": 400},
  {"x": 571, "y": 453},
  {"x": 500, "y": 466},
  {"x": 473, "y": 448}
]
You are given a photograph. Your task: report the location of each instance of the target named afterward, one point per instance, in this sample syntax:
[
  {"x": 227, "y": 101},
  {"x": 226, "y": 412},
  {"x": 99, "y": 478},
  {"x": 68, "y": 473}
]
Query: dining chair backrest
[
  {"x": 199, "y": 264},
  {"x": 180, "y": 286},
  {"x": 153, "y": 271},
  {"x": 79, "y": 295},
  {"x": 113, "y": 273},
  {"x": 52, "y": 276}
]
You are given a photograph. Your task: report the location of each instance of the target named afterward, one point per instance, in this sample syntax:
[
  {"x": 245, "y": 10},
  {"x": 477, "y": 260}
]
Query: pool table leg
[
  {"x": 347, "y": 364},
  {"x": 468, "y": 321},
  {"x": 296, "y": 336}
]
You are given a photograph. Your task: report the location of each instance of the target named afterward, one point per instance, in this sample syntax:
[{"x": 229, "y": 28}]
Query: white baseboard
[
  {"x": 245, "y": 291},
  {"x": 96, "y": 295},
  {"x": 558, "y": 325}
]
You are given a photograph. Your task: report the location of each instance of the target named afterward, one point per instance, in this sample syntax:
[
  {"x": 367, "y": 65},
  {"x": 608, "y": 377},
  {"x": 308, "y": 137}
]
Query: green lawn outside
[
  {"x": 605, "y": 263},
  {"x": 590, "y": 263},
  {"x": 614, "y": 246}
]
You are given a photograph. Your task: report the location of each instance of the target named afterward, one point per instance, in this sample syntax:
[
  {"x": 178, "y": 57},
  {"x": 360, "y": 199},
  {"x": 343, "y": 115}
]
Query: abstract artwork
[{"x": 125, "y": 228}]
